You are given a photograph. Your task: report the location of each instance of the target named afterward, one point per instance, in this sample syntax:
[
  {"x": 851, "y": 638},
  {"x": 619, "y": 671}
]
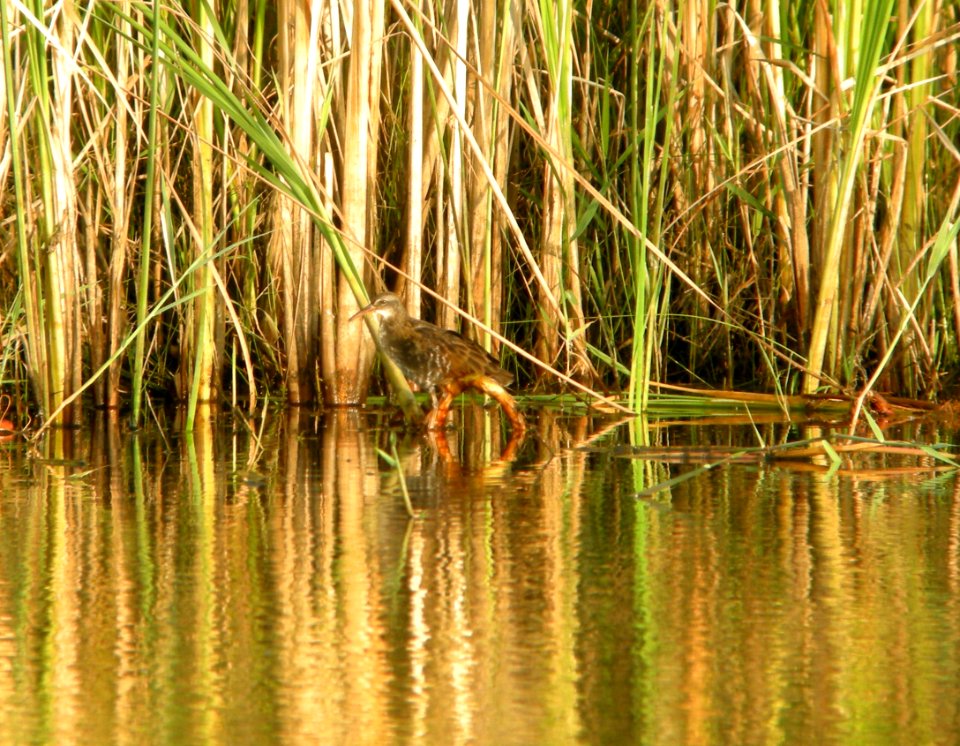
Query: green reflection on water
[{"x": 232, "y": 588}]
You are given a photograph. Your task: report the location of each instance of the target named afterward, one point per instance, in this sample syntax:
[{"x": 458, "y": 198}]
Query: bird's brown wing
[{"x": 467, "y": 358}]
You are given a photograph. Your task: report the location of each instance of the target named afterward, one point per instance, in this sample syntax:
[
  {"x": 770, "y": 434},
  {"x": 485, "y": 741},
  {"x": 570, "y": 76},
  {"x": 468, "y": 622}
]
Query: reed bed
[{"x": 197, "y": 196}]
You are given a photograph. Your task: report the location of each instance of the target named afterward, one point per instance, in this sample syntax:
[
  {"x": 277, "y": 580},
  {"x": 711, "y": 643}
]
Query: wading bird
[{"x": 439, "y": 361}]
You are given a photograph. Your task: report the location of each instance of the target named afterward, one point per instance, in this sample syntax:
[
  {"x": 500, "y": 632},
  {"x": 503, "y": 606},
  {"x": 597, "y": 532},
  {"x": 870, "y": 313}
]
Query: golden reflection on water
[{"x": 260, "y": 582}]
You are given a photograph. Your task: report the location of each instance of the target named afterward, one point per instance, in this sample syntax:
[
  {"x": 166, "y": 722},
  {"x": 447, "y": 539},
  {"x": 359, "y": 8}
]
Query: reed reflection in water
[{"x": 261, "y": 582}]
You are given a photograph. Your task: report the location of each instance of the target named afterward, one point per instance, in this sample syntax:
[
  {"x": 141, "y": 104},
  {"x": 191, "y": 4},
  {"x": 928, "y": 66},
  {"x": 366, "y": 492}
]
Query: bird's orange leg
[
  {"x": 494, "y": 390},
  {"x": 437, "y": 417}
]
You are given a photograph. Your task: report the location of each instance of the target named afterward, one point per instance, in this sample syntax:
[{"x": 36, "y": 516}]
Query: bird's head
[{"x": 386, "y": 307}]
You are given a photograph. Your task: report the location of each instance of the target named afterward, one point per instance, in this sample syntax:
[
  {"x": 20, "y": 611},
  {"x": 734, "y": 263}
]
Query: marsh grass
[{"x": 197, "y": 196}]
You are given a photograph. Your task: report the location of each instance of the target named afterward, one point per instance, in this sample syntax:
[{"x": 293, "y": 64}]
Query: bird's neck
[{"x": 394, "y": 325}]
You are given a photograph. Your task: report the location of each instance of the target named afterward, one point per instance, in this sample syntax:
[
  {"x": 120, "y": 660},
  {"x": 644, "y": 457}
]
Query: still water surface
[{"x": 261, "y": 582}]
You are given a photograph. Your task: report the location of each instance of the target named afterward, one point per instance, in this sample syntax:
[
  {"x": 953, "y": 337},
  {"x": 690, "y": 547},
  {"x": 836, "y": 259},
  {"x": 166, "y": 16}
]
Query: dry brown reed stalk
[
  {"x": 358, "y": 195},
  {"x": 120, "y": 196},
  {"x": 450, "y": 202},
  {"x": 561, "y": 327},
  {"x": 413, "y": 251},
  {"x": 204, "y": 332},
  {"x": 55, "y": 275},
  {"x": 292, "y": 244},
  {"x": 495, "y": 43}
]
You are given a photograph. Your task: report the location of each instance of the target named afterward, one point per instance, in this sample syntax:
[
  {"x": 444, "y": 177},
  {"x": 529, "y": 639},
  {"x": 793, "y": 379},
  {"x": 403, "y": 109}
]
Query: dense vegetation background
[{"x": 755, "y": 194}]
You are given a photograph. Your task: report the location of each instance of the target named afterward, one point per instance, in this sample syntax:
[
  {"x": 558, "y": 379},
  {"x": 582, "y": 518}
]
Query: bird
[{"x": 437, "y": 360}]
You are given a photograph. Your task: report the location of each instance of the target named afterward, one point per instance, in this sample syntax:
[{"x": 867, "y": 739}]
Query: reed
[
  {"x": 143, "y": 280},
  {"x": 635, "y": 193},
  {"x": 865, "y": 50}
]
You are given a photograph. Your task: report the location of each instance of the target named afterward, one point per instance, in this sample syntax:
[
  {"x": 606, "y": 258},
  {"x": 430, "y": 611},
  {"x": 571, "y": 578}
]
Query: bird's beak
[{"x": 362, "y": 312}]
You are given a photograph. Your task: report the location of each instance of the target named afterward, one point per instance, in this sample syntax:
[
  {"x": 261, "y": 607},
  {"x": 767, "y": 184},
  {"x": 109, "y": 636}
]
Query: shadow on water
[{"x": 260, "y": 581}]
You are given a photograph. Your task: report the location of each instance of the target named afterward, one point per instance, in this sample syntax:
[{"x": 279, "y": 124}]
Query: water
[{"x": 261, "y": 582}]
